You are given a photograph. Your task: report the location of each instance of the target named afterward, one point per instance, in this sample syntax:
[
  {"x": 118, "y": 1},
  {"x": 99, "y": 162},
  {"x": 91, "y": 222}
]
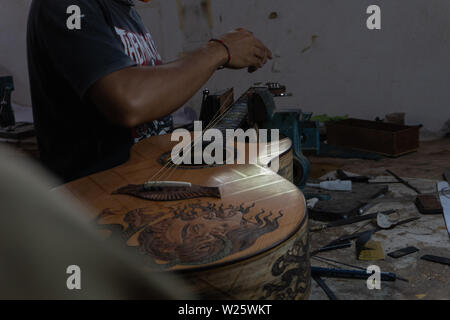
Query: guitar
[{"x": 244, "y": 236}]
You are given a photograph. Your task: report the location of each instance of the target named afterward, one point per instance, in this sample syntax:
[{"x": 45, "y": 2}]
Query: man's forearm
[{"x": 142, "y": 94}]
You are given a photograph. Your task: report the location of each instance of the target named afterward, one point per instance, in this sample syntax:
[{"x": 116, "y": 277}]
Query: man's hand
[
  {"x": 246, "y": 50},
  {"x": 135, "y": 95}
]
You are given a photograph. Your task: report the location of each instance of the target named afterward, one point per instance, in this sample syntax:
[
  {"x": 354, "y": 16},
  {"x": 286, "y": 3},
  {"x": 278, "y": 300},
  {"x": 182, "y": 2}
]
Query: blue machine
[
  {"x": 294, "y": 124},
  {"x": 309, "y": 131}
]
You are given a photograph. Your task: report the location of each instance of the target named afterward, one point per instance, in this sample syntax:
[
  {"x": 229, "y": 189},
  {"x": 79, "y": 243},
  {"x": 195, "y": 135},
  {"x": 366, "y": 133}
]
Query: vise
[{"x": 264, "y": 112}]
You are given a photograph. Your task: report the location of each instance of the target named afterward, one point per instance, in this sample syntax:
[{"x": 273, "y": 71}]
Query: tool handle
[
  {"x": 349, "y": 274},
  {"x": 330, "y": 248}
]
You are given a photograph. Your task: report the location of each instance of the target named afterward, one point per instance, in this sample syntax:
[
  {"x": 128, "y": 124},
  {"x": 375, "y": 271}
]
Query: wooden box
[{"x": 385, "y": 138}]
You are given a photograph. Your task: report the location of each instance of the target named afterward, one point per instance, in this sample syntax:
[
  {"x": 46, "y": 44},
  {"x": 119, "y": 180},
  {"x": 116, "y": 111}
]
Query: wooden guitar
[{"x": 248, "y": 242}]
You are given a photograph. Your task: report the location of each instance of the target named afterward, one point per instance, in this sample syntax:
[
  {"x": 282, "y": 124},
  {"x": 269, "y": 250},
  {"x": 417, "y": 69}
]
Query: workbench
[{"x": 427, "y": 280}]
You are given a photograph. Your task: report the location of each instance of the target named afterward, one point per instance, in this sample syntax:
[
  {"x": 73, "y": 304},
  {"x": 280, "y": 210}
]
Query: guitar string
[
  {"x": 172, "y": 168},
  {"x": 170, "y": 163},
  {"x": 169, "y": 172}
]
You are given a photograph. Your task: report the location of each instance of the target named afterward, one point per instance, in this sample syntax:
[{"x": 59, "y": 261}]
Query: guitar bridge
[{"x": 168, "y": 191}]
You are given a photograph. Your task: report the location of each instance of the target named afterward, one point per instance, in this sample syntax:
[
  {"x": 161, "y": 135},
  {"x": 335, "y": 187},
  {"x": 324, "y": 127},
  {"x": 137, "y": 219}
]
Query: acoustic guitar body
[{"x": 251, "y": 243}]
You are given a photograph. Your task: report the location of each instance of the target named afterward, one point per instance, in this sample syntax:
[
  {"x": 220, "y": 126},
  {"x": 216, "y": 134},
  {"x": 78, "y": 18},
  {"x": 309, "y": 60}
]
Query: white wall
[
  {"x": 404, "y": 67},
  {"x": 349, "y": 70}
]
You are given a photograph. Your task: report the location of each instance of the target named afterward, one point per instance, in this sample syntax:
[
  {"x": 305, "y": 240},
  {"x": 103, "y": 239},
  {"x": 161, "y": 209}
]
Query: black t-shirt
[{"x": 74, "y": 138}]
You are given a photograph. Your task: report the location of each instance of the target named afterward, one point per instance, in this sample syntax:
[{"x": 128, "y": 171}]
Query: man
[{"x": 91, "y": 85}]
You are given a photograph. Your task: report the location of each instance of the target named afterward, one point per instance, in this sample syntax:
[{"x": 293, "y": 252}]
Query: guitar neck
[{"x": 235, "y": 116}]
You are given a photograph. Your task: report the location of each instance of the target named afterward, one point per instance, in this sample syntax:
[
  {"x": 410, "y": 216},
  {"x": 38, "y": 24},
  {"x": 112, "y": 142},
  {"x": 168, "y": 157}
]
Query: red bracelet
[{"x": 226, "y": 47}]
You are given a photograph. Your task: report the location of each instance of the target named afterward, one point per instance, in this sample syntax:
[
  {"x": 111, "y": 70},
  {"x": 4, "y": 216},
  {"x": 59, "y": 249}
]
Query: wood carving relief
[{"x": 191, "y": 234}]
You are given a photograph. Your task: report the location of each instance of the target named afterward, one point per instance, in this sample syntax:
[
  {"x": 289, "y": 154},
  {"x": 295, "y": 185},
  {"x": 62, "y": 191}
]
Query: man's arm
[{"x": 136, "y": 95}]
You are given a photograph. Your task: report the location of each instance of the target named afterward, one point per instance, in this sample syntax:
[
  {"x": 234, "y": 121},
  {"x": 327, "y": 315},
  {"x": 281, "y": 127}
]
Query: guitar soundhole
[{"x": 165, "y": 158}]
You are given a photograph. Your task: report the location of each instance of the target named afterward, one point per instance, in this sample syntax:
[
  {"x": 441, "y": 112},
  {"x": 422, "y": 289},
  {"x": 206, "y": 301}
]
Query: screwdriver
[{"x": 351, "y": 274}]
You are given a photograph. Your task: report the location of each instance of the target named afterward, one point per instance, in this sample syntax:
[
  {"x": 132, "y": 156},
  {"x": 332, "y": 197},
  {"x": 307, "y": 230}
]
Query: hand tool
[
  {"x": 328, "y": 260},
  {"x": 436, "y": 259},
  {"x": 330, "y": 294},
  {"x": 351, "y": 274},
  {"x": 348, "y": 221},
  {"x": 357, "y": 235},
  {"x": 406, "y": 183},
  {"x": 331, "y": 262},
  {"x": 402, "y": 252},
  {"x": 340, "y": 174},
  {"x": 333, "y": 247},
  {"x": 336, "y": 185},
  {"x": 369, "y": 205}
]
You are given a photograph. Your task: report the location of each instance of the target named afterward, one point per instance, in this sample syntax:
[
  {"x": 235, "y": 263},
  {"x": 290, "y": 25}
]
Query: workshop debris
[
  {"x": 352, "y": 274},
  {"x": 406, "y": 183},
  {"x": 340, "y": 174},
  {"x": 336, "y": 185},
  {"x": 383, "y": 179},
  {"x": 332, "y": 247},
  {"x": 369, "y": 205},
  {"x": 402, "y": 252},
  {"x": 428, "y": 204},
  {"x": 333, "y": 262},
  {"x": 403, "y": 222},
  {"x": 371, "y": 251},
  {"x": 367, "y": 249},
  {"x": 343, "y": 205},
  {"x": 436, "y": 259},
  {"x": 354, "y": 236},
  {"x": 351, "y": 220},
  {"x": 330, "y": 294},
  {"x": 443, "y": 190},
  {"x": 383, "y": 221},
  {"x": 310, "y": 203},
  {"x": 401, "y": 193}
]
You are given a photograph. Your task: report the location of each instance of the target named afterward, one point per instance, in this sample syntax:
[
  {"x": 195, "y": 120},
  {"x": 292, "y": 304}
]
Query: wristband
[{"x": 226, "y": 47}]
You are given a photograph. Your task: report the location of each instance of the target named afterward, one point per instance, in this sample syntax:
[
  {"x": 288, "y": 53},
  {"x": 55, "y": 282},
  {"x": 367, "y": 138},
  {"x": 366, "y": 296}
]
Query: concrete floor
[{"x": 427, "y": 280}]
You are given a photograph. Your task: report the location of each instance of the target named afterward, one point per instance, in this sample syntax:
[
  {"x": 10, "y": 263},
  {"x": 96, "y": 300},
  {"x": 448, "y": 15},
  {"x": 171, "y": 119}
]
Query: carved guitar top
[{"x": 255, "y": 212}]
